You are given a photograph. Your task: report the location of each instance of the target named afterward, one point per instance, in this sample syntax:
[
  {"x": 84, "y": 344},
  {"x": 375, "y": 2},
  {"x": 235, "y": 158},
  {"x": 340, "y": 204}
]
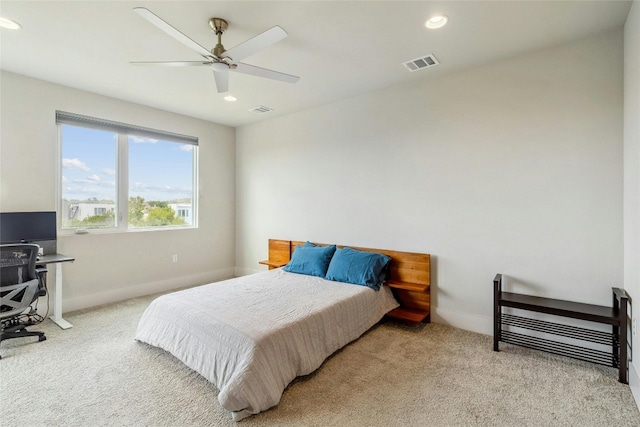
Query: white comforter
[{"x": 251, "y": 336}]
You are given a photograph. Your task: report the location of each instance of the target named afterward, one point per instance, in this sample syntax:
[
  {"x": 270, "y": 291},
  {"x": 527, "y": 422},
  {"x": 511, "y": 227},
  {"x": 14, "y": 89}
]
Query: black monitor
[{"x": 29, "y": 227}]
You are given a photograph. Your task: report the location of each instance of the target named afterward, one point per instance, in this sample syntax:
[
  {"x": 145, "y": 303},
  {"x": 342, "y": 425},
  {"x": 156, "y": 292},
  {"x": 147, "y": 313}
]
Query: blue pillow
[
  {"x": 310, "y": 260},
  {"x": 358, "y": 267}
]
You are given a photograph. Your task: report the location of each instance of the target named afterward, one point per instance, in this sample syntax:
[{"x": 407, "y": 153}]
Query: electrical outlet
[
  {"x": 634, "y": 325},
  {"x": 175, "y": 258}
]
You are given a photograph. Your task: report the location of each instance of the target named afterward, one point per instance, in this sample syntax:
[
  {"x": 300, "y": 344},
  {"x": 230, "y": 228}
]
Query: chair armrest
[{"x": 41, "y": 272}]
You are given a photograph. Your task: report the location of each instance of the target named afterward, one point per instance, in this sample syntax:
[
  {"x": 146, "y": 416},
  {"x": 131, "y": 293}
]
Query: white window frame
[{"x": 124, "y": 131}]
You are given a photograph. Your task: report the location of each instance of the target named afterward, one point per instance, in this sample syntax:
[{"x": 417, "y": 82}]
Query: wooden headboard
[{"x": 409, "y": 277}]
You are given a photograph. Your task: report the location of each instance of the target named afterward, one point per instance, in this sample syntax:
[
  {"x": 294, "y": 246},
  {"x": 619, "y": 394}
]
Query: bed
[{"x": 252, "y": 335}]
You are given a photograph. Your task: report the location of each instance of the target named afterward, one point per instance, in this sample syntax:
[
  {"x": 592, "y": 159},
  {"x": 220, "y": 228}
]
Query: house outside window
[
  {"x": 119, "y": 177},
  {"x": 183, "y": 210}
]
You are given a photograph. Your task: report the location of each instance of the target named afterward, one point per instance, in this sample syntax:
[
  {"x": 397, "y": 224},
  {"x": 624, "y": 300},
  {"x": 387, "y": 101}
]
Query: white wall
[
  {"x": 512, "y": 167},
  {"x": 111, "y": 267},
  {"x": 632, "y": 172}
]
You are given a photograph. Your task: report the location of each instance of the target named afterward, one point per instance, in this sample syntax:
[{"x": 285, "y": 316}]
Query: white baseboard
[
  {"x": 459, "y": 319},
  {"x": 241, "y": 271},
  {"x": 634, "y": 383},
  {"x": 120, "y": 294}
]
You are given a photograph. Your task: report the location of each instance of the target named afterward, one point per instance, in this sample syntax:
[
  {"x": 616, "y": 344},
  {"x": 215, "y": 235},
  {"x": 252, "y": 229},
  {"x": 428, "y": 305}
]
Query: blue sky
[{"x": 158, "y": 170}]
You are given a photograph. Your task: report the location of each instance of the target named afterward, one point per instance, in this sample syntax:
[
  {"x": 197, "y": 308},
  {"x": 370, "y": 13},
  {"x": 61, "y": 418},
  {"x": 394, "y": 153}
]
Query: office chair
[{"x": 21, "y": 283}]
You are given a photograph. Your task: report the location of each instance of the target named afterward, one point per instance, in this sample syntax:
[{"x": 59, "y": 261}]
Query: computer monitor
[{"x": 29, "y": 227}]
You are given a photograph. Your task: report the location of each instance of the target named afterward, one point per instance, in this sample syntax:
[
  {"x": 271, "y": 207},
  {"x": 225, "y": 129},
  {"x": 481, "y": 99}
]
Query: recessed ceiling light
[
  {"x": 9, "y": 24},
  {"x": 437, "y": 21},
  {"x": 230, "y": 98}
]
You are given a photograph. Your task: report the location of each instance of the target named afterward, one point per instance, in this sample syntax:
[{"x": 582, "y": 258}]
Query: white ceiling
[{"x": 339, "y": 49}]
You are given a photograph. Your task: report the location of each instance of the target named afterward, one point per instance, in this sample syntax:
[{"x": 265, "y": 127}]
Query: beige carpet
[{"x": 96, "y": 374}]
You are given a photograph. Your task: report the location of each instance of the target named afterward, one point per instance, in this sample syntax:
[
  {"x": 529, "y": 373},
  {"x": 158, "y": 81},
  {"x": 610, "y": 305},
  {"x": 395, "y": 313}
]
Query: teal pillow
[
  {"x": 358, "y": 267},
  {"x": 310, "y": 260}
]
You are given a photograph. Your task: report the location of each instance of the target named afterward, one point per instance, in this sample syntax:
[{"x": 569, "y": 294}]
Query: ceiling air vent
[
  {"x": 261, "y": 109},
  {"x": 420, "y": 63}
]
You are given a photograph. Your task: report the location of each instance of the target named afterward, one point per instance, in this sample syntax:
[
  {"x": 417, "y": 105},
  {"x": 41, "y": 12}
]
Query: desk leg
[{"x": 57, "y": 301}]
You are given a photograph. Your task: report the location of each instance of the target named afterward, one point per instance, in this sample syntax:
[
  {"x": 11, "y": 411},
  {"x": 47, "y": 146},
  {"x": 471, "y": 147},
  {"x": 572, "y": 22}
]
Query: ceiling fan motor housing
[{"x": 218, "y": 25}]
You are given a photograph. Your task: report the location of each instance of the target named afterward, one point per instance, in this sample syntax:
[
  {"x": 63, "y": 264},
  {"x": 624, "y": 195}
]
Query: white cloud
[
  {"x": 94, "y": 180},
  {"x": 75, "y": 164},
  {"x": 186, "y": 147},
  {"x": 144, "y": 188},
  {"x": 108, "y": 171}
]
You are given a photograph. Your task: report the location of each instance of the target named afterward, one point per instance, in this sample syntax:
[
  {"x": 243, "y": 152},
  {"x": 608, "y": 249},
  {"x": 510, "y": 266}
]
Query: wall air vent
[
  {"x": 261, "y": 109},
  {"x": 421, "y": 63}
]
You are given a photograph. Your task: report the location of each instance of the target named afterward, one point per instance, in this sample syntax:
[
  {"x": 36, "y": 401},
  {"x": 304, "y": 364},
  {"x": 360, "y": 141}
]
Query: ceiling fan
[{"x": 220, "y": 59}]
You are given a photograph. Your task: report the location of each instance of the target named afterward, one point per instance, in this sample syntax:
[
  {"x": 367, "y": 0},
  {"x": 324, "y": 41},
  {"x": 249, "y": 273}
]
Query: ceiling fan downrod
[{"x": 218, "y": 26}]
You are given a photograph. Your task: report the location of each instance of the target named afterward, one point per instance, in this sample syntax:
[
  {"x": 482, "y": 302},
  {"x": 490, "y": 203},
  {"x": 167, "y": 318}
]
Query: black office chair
[{"x": 21, "y": 284}]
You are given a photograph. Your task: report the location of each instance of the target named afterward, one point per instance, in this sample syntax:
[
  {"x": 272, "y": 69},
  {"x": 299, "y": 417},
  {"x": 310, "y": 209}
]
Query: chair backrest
[
  {"x": 19, "y": 282},
  {"x": 18, "y": 263}
]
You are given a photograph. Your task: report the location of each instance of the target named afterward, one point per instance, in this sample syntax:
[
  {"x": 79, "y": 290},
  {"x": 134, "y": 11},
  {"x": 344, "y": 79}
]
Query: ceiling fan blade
[
  {"x": 167, "y": 28},
  {"x": 171, "y": 63},
  {"x": 263, "y": 72},
  {"x": 255, "y": 44},
  {"x": 222, "y": 80}
]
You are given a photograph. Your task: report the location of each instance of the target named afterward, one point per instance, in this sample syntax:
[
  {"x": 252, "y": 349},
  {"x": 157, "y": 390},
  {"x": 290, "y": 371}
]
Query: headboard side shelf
[{"x": 279, "y": 253}]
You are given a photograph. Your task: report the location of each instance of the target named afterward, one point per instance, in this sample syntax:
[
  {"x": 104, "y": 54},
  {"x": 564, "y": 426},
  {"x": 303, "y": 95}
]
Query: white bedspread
[{"x": 251, "y": 336}]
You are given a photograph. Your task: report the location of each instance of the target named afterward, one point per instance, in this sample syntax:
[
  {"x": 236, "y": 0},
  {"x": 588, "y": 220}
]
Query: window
[{"x": 116, "y": 176}]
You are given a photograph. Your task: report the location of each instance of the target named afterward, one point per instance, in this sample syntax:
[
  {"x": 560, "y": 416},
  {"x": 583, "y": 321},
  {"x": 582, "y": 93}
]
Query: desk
[{"x": 57, "y": 259}]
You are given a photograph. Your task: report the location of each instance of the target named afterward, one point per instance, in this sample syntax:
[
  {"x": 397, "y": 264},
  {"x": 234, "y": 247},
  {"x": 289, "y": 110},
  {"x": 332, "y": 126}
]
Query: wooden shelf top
[
  {"x": 408, "y": 314},
  {"x": 274, "y": 264},
  {"x": 407, "y": 286}
]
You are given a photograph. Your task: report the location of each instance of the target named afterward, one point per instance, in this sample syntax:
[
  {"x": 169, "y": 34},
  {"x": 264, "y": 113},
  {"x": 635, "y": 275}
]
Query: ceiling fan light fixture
[
  {"x": 219, "y": 66},
  {"x": 437, "y": 21},
  {"x": 9, "y": 24}
]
